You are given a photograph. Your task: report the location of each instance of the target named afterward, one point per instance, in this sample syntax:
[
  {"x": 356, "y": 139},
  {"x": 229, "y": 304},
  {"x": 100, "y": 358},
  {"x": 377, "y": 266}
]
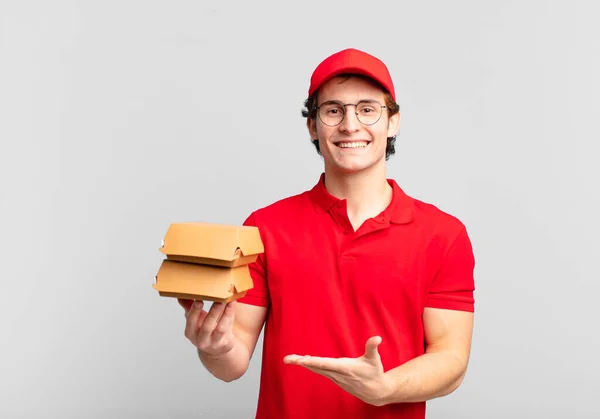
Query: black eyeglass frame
[{"x": 349, "y": 104}]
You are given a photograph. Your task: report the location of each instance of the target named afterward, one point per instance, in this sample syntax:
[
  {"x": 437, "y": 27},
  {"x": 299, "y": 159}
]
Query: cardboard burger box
[{"x": 207, "y": 261}]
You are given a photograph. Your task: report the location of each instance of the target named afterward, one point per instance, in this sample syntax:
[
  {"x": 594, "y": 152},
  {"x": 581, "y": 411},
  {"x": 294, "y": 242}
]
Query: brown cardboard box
[
  {"x": 212, "y": 244},
  {"x": 202, "y": 282},
  {"x": 207, "y": 261}
]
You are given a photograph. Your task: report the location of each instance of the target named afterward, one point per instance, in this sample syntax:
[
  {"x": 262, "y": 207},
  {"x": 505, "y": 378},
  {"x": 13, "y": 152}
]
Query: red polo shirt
[{"x": 329, "y": 289}]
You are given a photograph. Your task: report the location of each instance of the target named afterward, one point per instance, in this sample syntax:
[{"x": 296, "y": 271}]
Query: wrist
[
  {"x": 388, "y": 390},
  {"x": 227, "y": 366}
]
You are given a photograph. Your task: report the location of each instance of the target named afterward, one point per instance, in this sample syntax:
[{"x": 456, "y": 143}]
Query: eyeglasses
[{"x": 332, "y": 112}]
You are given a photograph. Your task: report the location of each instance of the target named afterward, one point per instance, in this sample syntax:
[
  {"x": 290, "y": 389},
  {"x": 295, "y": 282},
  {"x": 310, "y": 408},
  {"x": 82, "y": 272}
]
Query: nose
[{"x": 350, "y": 122}]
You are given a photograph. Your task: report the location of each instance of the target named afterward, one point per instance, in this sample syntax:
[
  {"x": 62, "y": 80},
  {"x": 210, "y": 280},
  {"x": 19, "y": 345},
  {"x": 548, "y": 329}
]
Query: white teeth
[{"x": 359, "y": 144}]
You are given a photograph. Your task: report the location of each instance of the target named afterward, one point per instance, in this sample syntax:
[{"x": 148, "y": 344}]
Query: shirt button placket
[{"x": 346, "y": 259}]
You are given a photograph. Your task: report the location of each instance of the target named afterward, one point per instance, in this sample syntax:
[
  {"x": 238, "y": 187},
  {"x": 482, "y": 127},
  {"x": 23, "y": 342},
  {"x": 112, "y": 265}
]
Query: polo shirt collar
[{"x": 399, "y": 211}]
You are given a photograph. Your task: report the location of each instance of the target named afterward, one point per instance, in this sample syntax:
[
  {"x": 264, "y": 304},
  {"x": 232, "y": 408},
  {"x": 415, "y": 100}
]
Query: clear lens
[{"x": 367, "y": 112}]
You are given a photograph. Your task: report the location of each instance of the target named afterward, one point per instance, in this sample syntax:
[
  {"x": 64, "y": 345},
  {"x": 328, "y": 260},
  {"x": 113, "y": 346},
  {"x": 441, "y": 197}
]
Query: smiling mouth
[{"x": 352, "y": 144}]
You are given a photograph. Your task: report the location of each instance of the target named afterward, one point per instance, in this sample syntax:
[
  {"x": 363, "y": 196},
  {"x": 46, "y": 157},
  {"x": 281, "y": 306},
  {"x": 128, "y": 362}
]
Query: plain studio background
[{"x": 120, "y": 117}]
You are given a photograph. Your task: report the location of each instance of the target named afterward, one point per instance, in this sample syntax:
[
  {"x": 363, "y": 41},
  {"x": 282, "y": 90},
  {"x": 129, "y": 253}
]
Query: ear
[
  {"x": 312, "y": 128},
  {"x": 394, "y": 124}
]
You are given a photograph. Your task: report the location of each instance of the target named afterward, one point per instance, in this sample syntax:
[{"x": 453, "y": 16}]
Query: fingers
[
  {"x": 211, "y": 320},
  {"x": 291, "y": 359},
  {"x": 210, "y": 331},
  {"x": 225, "y": 324},
  {"x": 213, "y": 338},
  {"x": 320, "y": 363},
  {"x": 332, "y": 375},
  {"x": 195, "y": 316},
  {"x": 186, "y": 304},
  {"x": 371, "y": 347}
]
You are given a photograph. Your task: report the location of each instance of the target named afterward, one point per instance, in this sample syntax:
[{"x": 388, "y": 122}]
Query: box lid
[{"x": 213, "y": 241}]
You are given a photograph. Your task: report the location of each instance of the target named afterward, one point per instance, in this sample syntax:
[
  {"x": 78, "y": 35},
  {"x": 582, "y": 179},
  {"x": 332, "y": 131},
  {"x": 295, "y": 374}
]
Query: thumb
[{"x": 371, "y": 347}]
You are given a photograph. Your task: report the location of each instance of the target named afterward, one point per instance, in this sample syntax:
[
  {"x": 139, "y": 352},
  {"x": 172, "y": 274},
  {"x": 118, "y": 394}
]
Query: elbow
[
  {"x": 454, "y": 385},
  {"x": 232, "y": 375},
  {"x": 456, "y": 376}
]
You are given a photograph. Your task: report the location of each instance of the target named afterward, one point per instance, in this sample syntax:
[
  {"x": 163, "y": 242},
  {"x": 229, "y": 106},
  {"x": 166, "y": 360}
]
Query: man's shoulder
[{"x": 431, "y": 214}]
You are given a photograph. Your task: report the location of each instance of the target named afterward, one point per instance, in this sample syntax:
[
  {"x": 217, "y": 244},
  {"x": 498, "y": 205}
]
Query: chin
[
  {"x": 353, "y": 162},
  {"x": 352, "y": 167}
]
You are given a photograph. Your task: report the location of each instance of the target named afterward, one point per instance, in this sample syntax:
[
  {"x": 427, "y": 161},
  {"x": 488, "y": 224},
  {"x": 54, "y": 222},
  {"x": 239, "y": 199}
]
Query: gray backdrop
[{"x": 120, "y": 117}]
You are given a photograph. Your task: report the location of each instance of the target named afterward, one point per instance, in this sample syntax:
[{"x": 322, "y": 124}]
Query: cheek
[
  {"x": 380, "y": 133},
  {"x": 324, "y": 133}
]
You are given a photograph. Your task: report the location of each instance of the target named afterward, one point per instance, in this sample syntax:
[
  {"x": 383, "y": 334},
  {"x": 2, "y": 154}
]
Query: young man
[{"x": 366, "y": 294}]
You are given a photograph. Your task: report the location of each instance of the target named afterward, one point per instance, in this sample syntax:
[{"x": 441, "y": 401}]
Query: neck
[{"x": 366, "y": 193}]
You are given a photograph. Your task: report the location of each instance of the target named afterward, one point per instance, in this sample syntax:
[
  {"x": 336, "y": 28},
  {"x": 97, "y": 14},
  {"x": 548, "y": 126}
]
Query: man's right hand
[{"x": 211, "y": 332}]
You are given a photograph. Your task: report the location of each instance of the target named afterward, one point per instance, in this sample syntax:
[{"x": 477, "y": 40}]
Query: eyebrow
[{"x": 361, "y": 100}]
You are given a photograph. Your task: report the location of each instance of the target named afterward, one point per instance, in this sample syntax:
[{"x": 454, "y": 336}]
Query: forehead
[{"x": 350, "y": 88}]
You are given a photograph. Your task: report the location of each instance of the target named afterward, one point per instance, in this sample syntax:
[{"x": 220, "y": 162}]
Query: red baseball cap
[{"x": 352, "y": 61}]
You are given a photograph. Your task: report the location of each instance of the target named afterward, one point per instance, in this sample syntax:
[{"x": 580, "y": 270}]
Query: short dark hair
[{"x": 393, "y": 108}]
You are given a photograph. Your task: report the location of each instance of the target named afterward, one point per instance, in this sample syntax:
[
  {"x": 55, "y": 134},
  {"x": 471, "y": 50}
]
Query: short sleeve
[
  {"x": 454, "y": 284},
  {"x": 258, "y": 295}
]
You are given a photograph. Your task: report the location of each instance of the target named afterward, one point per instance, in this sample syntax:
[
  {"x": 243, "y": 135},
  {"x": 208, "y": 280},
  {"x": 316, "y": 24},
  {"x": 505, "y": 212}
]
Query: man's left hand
[{"x": 362, "y": 377}]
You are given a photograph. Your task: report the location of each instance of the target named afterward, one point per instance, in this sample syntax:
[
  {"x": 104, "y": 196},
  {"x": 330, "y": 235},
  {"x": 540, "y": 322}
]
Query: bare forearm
[
  {"x": 230, "y": 366},
  {"x": 429, "y": 376}
]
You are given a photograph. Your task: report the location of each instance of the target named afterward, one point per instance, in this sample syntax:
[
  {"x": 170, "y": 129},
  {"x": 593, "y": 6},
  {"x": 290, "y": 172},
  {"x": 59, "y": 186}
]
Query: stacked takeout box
[{"x": 206, "y": 261}]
